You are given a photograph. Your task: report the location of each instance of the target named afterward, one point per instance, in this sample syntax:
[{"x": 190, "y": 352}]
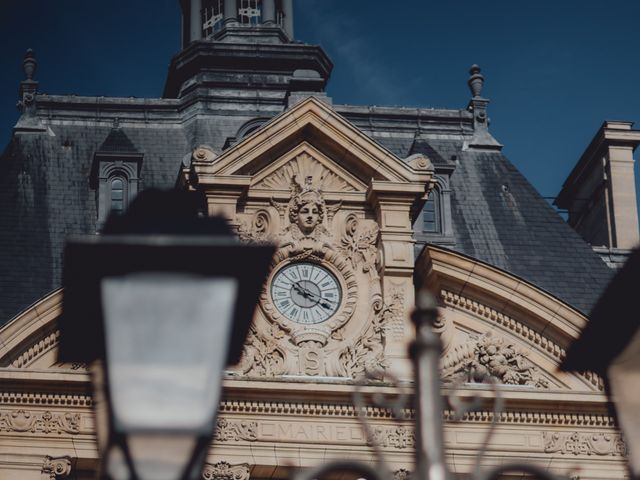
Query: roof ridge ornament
[
  {"x": 29, "y": 64},
  {"x": 28, "y": 122},
  {"x": 482, "y": 139},
  {"x": 476, "y": 81}
]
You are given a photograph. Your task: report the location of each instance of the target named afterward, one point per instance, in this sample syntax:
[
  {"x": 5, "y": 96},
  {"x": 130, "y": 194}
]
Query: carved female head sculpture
[{"x": 306, "y": 208}]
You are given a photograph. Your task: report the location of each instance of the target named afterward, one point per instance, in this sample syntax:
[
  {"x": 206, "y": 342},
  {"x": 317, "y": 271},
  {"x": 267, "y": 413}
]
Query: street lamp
[{"x": 159, "y": 317}]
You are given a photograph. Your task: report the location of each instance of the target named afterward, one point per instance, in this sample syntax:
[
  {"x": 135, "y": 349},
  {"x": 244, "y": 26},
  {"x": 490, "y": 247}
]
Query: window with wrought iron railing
[
  {"x": 250, "y": 12},
  {"x": 212, "y": 17}
]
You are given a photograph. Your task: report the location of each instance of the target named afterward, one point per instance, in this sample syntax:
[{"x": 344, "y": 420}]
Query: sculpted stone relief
[
  {"x": 44, "y": 422},
  {"x": 575, "y": 443},
  {"x": 490, "y": 356},
  {"x": 322, "y": 310}
]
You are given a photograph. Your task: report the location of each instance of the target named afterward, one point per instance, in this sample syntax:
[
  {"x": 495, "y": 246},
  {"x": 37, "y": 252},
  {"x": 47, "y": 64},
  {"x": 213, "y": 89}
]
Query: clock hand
[{"x": 308, "y": 293}]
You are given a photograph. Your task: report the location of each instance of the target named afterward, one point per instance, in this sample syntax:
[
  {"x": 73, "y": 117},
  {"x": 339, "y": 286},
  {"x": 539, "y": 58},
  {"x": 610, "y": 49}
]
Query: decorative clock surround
[{"x": 340, "y": 209}]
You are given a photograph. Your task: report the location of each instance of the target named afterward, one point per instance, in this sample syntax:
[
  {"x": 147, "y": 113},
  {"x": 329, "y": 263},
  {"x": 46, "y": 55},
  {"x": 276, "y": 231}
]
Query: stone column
[
  {"x": 269, "y": 12},
  {"x": 230, "y": 11},
  {"x": 287, "y": 7},
  {"x": 184, "y": 23},
  {"x": 195, "y": 16}
]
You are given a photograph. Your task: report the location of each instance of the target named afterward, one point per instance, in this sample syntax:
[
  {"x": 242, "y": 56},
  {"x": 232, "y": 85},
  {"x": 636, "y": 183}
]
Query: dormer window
[
  {"x": 115, "y": 175},
  {"x": 434, "y": 224},
  {"x": 250, "y": 12}
]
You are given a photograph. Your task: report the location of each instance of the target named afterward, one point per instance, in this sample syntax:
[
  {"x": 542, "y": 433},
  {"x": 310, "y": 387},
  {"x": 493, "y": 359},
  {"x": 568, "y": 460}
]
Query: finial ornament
[
  {"x": 476, "y": 80},
  {"x": 29, "y": 64}
]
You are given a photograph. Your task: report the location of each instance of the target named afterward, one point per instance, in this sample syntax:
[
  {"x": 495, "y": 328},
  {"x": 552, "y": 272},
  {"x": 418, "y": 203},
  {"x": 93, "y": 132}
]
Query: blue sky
[{"x": 554, "y": 70}]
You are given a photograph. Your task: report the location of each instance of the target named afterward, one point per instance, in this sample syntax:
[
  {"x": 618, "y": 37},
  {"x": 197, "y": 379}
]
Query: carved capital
[
  {"x": 54, "y": 468},
  {"x": 225, "y": 471}
]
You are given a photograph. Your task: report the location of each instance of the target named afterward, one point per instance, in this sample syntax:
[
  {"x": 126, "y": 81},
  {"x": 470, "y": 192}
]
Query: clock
[{"x": 306, "y": 293}]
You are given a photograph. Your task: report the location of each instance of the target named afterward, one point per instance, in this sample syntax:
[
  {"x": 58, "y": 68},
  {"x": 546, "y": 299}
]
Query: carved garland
[
  {"x": 24, "y": 421},
  {"x": 574, "y": 443},
  {"x": 477, "y": 308}
]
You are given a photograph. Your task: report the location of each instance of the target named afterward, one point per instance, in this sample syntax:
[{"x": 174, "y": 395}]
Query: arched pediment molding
[
  {"x": 442, "y": 269},
  {"x": 31, "y": 337},
  {"x": 481, "y": 299}
]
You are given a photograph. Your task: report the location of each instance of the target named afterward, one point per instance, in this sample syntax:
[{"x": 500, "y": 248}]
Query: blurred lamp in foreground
[
  {"x": 610, "y": 346},
  {"x": 164, "y": 315}
]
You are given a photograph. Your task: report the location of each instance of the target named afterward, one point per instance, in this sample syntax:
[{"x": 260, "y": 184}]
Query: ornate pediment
[
  {"x": 350, "y": 155},
  {"x": 303, "y": 163}
]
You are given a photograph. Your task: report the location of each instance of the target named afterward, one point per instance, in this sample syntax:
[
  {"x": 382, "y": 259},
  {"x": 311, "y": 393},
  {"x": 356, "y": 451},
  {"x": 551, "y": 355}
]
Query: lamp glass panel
[
  {"x": 166, "y": 341},
  {"x": 160, "y": 457}
]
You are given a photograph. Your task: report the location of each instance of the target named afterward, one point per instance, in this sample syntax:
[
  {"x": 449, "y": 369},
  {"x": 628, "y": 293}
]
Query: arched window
[
  {"x": 117, "y": 194},
  {"x": 431, "y": 221},
  {"x": 250, "y": 12}
]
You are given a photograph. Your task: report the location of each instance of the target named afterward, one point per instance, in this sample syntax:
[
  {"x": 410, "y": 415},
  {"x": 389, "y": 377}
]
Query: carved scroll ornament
[
  {"x": 366, "y": 355},
  {"x": 54, "y": 468},
  {"x": 359, "y": 244},
  {"x": 261, "y": 355}
]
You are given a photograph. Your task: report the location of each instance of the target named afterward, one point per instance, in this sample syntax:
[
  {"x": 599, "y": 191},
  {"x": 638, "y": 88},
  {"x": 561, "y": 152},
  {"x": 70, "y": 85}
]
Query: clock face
[{"x": 306, "y": 293}]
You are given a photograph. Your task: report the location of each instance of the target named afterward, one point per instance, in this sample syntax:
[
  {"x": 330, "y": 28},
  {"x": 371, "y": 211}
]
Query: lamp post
[{"x": 158, "y": 316}]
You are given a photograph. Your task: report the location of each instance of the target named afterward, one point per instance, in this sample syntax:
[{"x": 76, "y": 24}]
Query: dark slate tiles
[
  {"x": 45, "y": 196},
  {"x": 501, "y": 219}
]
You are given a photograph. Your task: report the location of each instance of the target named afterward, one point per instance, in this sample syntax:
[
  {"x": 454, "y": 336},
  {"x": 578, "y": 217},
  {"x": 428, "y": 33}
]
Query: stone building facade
[{"x": 374, "y": 201}]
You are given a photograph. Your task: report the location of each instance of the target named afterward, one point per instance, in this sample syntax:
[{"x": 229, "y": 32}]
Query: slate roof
[
  {"x": 498, "y": 217},
  {"x": 45, "y": 196}
]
